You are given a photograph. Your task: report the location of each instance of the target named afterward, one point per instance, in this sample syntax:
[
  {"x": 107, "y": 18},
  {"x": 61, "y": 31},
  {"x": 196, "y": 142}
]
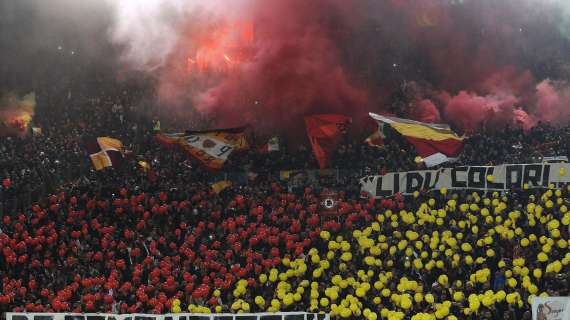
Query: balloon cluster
[
  {"x": 372, "y": 272},
  {"x": 275, "y": 254}
]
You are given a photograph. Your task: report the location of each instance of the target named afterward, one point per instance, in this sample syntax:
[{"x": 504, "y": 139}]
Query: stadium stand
[{"x": 119, "y": 241}]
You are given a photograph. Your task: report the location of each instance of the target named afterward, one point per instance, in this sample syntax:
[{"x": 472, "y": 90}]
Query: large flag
[
  {"x": 212, "y": 147},
  {"x": 435, "y": 143},
  {"x": 104, "y": 152},
  {"x": 324, "y": 132}
]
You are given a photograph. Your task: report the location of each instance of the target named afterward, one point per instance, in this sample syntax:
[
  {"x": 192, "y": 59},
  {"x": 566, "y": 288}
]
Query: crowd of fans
[{"x": 119, "y": 240}]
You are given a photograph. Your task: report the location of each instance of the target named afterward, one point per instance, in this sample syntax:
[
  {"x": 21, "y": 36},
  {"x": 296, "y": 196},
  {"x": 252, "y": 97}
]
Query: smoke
[
  {"x": 294, "y": 71},
  {"x": 44, "y": 44},
  {"x": 149, "y": 30},
  {"x": 16, "y": 113},
  {"x": 488, "y": 63},
  {"x": 565, "y": 22},
  {"x": 552, "y": 101},
  {"x": 426, "y": 111},
  {"x": 470, "y": 111},
  {"x": 246, "y": 61},
  {"x": 477, "y": 63}
]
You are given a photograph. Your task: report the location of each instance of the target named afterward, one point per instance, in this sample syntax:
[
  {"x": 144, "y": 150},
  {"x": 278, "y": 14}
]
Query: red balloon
[
  {"x": 275, "y": 252},
  {"x": 108, "y": 299}
]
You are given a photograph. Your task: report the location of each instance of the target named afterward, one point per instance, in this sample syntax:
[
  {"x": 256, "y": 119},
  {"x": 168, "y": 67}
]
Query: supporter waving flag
[
  {"x": 324, "y": 132},
  {"x": 435, "y": 143},
  {"x": 104, "y": 152},
  {"x": 211, "y": 147}
]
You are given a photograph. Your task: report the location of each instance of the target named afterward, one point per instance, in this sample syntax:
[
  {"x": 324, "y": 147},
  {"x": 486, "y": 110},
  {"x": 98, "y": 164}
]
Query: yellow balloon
[{"x": 458, "y": 296}]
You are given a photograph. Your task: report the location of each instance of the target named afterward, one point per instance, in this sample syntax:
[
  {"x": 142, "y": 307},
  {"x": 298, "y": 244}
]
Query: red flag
[{"x": 324, "y": 132}]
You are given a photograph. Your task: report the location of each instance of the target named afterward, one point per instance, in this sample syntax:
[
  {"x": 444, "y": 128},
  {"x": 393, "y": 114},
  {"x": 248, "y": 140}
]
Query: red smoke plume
[
  {"x": 477, "y": 63},
  {"x": 288, "y": 68},
  {"x": 475, "y": 54}
]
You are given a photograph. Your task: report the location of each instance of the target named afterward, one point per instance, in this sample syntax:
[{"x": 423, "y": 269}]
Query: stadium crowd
[{"x": 119, "y": 240}]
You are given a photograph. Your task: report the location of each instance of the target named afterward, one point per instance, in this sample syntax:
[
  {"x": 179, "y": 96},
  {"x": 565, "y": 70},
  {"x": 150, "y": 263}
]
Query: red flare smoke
[{"x": 477, "y": 63}]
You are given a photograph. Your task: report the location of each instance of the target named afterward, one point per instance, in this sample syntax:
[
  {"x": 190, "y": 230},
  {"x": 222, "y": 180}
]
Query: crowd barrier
[{"x": 177, "y": 316}]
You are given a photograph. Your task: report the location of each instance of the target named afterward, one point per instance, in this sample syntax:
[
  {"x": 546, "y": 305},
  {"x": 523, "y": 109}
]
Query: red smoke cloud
[
  {"x": 475, "y": 54},
  {"x": 426, "y": 111},
  {"x": 471, "y": 111},
  {"x": 291, "y": 68},
  {"x": 552, "y": 102},
  {"x": 477, "y": 63}
]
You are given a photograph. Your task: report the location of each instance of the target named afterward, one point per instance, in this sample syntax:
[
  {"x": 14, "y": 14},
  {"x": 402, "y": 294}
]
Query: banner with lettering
[
  {"x": 176, "y": 316},
  {"x": 486, "y": 178},
  {"x": 551, "y": 308}
]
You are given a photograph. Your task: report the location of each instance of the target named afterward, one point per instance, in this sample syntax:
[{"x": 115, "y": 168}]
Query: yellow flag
[
  {"x": 145, "y": 166},
  {"x": 221, "y": 186}
]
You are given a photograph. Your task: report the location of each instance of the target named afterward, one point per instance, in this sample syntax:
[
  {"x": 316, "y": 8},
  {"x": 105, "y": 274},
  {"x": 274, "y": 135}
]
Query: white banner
[
  {"x": 551, "y": 308},
  {"x": 174, "y": 316},
  {"x": 504, "y": 177}
]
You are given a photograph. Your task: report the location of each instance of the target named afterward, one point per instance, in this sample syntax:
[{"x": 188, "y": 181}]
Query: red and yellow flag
[
  {"x": 212, "y": 147},
  {"x": 435, "y": 143}
]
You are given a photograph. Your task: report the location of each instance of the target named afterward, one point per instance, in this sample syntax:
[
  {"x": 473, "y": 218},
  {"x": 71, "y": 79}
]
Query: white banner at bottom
[
  {"x": 174, "y": 316},
  {"x": 551, "y": 308}
]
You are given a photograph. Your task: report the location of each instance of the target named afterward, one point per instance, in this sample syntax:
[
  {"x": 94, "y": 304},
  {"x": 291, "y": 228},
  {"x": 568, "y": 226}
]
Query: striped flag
[{"x": 435, "y": 143}]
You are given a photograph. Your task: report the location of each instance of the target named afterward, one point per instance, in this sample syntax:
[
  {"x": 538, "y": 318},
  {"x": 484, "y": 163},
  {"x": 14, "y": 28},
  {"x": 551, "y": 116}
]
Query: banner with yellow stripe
[
  {"x": 435, "y": 143},
  {"x": 212, "y": 147}
]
